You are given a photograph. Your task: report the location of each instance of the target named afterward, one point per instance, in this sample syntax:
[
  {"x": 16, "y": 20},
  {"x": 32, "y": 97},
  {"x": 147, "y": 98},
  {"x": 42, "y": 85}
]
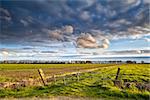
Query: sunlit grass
[{"x": 96, "y": 84}]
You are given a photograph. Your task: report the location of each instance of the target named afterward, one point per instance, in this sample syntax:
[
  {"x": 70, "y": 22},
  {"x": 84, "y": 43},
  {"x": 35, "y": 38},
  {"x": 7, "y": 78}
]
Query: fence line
[{"x": 64, "y": 77}]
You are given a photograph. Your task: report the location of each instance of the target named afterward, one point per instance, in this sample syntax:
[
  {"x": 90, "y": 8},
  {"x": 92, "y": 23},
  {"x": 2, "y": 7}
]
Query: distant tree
[
  {"x": 88, "y": 62},
  {"x": 134, "y": 62},
  {"x": 129, "y": 62},
  {"x": 142, "y": 62}
]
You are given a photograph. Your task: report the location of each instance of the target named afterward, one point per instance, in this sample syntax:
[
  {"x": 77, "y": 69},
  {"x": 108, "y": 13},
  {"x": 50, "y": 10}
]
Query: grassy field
[
  {"x": 133, "y": 81},
  {"x": 16, "y": 72}
]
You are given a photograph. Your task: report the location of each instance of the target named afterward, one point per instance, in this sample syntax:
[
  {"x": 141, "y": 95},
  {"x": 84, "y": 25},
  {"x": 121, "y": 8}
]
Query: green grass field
[
  {"x": 16, "y": 72},
  {"x": 94, "y": 85}
]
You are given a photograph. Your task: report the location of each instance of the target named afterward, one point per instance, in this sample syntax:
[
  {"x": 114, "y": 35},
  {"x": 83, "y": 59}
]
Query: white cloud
[
  {"x": 106, "y": 41},
  {"x": 5, "y": 53},
  {"x": 25, "y": 23},
  {"x": 86, "y": 40},
  {"x": 147, "y": 39},
  {"x": 68, "y": 29},
  {"x": 85, "y": 15}
]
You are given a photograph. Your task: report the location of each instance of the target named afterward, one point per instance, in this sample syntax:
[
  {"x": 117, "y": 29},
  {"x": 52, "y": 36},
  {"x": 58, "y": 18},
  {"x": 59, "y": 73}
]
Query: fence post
[
  {"x": 116, "y": 81},
  {"x": 103, "y": 79},
  {"x": 54, "y": 78},
  {"x": 64, "y": 79},
  {"x": 42, "y": 76},
  {"x": 118, "y": 71},
  {"x": 78, "y": 78}
]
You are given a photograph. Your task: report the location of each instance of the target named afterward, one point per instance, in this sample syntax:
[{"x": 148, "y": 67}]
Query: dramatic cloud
[
  {"x": 45, "y": 22},
  {"x": 62, "y": 34},
  {"x": 86, "y": 40}
]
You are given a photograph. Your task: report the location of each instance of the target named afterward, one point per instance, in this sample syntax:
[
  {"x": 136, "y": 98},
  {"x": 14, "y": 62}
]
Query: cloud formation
[
  {"x": 4, "y": 14},
  {"x": 62, "y": 34},
  {"x": 86, "y": 40},
  {"x": 65, "y": 20},
  {"x": 5, "y": 53}
]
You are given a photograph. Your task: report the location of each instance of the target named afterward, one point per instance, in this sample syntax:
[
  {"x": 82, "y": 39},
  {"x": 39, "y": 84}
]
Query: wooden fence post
[
  {"x": 54, "y": 78},
  {"x": 117, "y": 74},
  {"x": 42, "y": 76},
  {"x": 78, "y": 78},
  {"x": 64, "y": 79},
  {"x": 116, "y": 81}
]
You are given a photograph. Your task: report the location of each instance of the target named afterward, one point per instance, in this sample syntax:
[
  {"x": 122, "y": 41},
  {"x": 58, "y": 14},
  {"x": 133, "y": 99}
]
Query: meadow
[
  {"x": 16, "y": 72},
  {"x": 132, "y": 83}
]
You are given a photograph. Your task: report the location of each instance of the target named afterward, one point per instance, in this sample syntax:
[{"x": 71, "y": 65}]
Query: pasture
[{"x": 132, "y": 83}]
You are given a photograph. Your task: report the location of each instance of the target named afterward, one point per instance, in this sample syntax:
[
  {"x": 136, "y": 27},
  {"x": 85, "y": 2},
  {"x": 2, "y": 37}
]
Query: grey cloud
[
  {"x": 25, "y": 23},
  {"x": 103, "y": 19},
  {"x": 48, "y": 52},
  {"x": 136, "y": 31},
  {"x": 123, "y": 52},
  {"x": 5, "y": 11},
  {"x": 118, "y": 23},
  {"x": 55, "y": 34},
  {"x": 85, "y": 16},
  {"x": 133, "y": 32},
  {"x": 4, "y": 14},
  {"x": 62, "y": 34},
  {"x": 147, "y": 1},
  {"x": 128, "y": 52}
]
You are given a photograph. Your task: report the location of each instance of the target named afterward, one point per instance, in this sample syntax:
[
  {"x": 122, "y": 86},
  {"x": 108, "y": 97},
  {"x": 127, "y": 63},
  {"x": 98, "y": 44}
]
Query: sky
[{"x": 56, "y": 29}]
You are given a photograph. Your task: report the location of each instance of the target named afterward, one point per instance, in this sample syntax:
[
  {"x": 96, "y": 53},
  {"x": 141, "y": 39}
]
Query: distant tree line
[{"x": 66, "y": 62}]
